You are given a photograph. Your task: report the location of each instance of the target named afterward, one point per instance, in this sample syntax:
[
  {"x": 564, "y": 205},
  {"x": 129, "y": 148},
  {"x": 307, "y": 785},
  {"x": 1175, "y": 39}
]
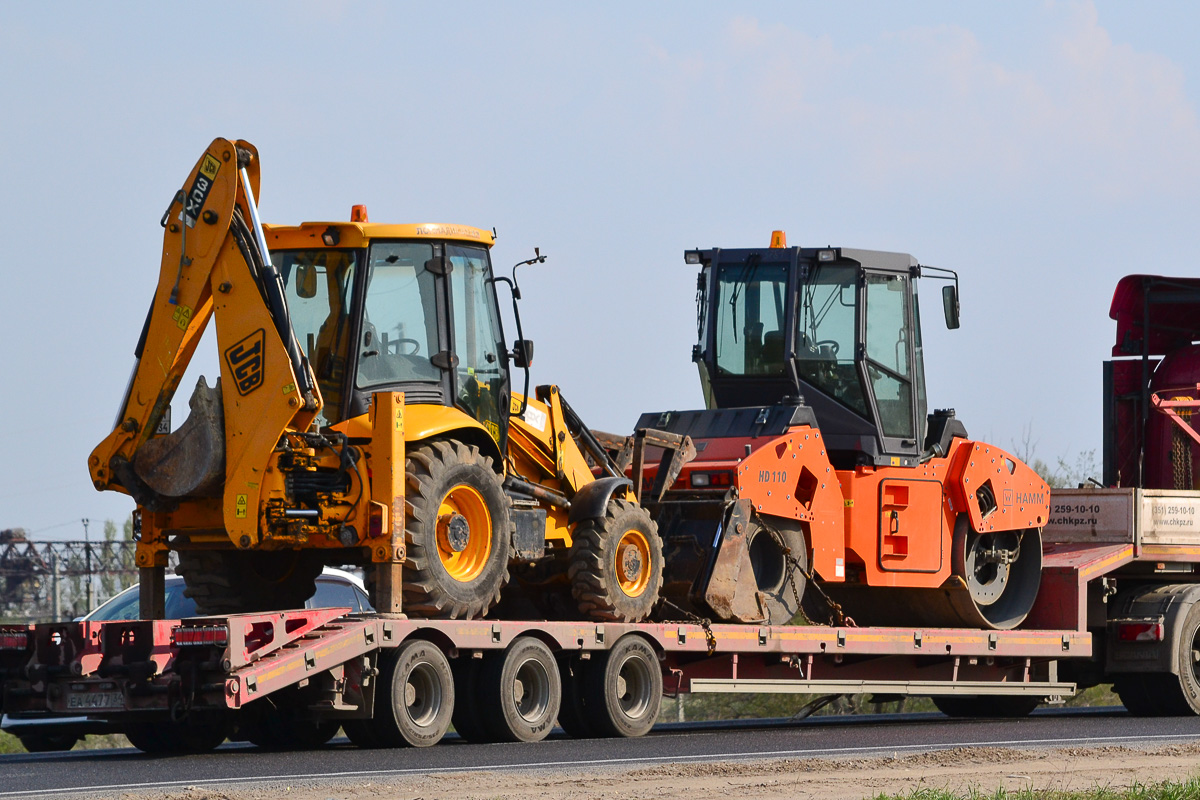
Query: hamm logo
[
  {"x": 1023, "y": 498},
  {"x": 245, "y": 360}
]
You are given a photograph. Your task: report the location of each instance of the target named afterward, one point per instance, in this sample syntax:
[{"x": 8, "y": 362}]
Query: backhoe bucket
[{"x": 188, "y": 462}]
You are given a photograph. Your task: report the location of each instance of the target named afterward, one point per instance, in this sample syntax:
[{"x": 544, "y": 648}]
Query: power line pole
[{"x": 87, "y": 550}]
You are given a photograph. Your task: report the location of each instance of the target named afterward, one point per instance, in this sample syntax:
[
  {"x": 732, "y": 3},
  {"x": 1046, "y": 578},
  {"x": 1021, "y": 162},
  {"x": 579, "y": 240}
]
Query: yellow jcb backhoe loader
[{"x": 363, "y": 415}]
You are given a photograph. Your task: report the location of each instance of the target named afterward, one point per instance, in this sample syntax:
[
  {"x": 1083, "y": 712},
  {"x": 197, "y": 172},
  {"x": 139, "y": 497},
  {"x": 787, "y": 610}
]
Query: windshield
[
  {"x": 317, "y": 285},
  {"x": 825, "y": 334},
  {"x": 126, "y": 604},
  {"x": 751, "y": 303},
  {"x": 399, "y": 329}
]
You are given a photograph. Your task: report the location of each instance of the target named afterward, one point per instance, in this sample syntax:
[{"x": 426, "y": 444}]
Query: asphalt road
[{"x": 48, "y": 775}]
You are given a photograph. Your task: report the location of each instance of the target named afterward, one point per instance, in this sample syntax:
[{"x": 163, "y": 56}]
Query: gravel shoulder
[{"x": 958, "y": 770}]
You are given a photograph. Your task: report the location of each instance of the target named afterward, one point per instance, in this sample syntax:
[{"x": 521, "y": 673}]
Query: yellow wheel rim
[
  {"x": 464, "y": 561},
  {"x": 633, "y": 563}
]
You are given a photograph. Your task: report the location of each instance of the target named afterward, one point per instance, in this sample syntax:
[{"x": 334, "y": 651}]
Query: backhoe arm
[{"x": 214, "y": 263}]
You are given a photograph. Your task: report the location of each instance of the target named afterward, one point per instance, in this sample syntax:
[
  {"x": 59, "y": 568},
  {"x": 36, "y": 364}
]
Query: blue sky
[{"x": 1041, "y": 149}]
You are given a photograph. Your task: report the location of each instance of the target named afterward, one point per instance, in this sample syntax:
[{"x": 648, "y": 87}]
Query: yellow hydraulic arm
[{"x": 214, "y": 263}]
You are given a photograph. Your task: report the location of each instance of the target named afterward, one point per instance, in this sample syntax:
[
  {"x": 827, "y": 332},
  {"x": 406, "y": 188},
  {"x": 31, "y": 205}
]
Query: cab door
[
  {"x": 480, "y": 371},
  {"x": 889, "y": 361}
]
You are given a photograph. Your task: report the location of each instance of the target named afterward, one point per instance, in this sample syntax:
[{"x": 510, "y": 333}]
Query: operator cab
[
  {"x": 406, "y": 308},
  {"x": 838, "y": 328}
]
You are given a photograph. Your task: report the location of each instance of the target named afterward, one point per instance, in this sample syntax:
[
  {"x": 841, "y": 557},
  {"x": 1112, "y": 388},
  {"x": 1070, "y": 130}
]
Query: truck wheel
[
  {"x": 572, "y": 716},
  {"x": 288, "y": 728},
  {"x": 1005, "y": 707},
  {"x": 458, "y": 530},
  {"x": 361, "y": 734},
  {"x": 1137, "y": 694},
  {"x": 1175, "y": 694},
  {"x": 414, "y": 701},
  {"x": 616, "y": 565},
  {"x": 233, "y": 582},
  {"x": 624, "y": 689},
  {"x": 521, "y": 684},
  {"x": 48, "y": 742},
  {"x": 467, "y": 706}
]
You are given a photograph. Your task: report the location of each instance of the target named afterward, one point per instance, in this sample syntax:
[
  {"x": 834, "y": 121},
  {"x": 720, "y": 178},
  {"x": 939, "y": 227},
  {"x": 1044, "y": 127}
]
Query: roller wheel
[
  {"x": 623, "y": 689},
  {"x": 467, "y": 717},
  {"x": 986, "y": 706},
  {"x": 779, "y": 560},
  {"x": 459, "y": 532},
  {"x": 616, "y": 565},
  {"x": 1001, "y": 594},
  {"x": 414, "y": 701},
  {"x": 572, "y": 715},
  {"x": 522, "y": 690},
  {"x": 234, "y": 582}
]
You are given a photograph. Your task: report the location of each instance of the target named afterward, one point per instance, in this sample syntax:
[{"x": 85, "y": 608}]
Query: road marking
[{"x": 599, "y": 762}]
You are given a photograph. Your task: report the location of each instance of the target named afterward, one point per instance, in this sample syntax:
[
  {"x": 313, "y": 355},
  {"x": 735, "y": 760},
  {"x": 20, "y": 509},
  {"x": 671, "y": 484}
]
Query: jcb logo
[{"x": 245, "y": 360}]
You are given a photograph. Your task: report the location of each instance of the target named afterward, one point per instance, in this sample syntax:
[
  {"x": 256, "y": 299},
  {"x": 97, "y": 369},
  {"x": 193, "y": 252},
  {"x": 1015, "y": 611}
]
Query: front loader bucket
[{"x": 188, "y": 462}]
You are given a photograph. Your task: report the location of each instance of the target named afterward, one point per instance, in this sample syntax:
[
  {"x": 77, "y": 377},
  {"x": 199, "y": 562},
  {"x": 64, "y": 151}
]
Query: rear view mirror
[
  {"x": 306, "y": 281},
  {"x": 522, "y": 353},
  {"x": 950, "y": 305}
]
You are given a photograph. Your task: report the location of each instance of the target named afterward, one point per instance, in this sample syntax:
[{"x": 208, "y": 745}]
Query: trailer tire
[
  {"x": 466, "y": 720},
  {"x": 616, "y": 567},
  {"x": 361, "y": 734},
  {"x": 288, "y": 729},
  {"x": 458, "y": 530},
  {"x": 176, "y": 737},
  {"x": 623, "y": 689},
  {"x": 233, "y": 582},
  {"x": 572, "y": 714},
  {"x": 48, "y": 742},
  {"x": 1137, "y": 694},
  {"x": 985, "y": 706},
  {"x": 522, "y": 684},
  {"x": 414, "y": 701}
]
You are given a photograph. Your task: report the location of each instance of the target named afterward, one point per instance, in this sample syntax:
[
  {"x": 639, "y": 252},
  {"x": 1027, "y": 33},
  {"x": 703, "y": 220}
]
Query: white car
[{"x": 335, "y": 589}]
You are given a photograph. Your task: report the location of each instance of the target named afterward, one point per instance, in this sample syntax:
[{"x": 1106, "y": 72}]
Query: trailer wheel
[
  {"x": 624, "y": 687},
  {"x": 523, "y": 688},
  {"x": 361, "y": 734},
  {"x": 616, "y": 566},
  {"x": 467, "y": 706},
  {"x": 414, "y": 701},
  {"x": 458, "y": 530},
  {"x": 233, "y": 582},
  {"x": 572, "y": 715},
  {"x": 48, "y": 742},
  {"x": 969, "y": 707},
  {"x": 288, "y": 728},
  {"x": 1137, "y": 693},
  {"x": 190, "y": 736}
]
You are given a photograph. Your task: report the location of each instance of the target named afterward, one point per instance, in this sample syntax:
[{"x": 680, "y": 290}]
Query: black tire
[
  {"x": 414, "y": 701},
  {"x": 521, "y": 690},
  {"x": 288, "y": 728},
  {"x": 572, "y": 714},
  {"x": 361, "y": 734},
  {"x": 616, "y": 566},
  {"x": 189, "y": 736},
  {"x": 466, "y": 718},
  {"x": 234, "y": 582},
  {"x": 779, "y": 560},
  {"x": 1170, "y": 694},
  {"x": 440, "y": 581},
  {"x": 48, "y": 742},
  {"x": 1000, "y": 707},
  {"x": 623, "y": 689}
]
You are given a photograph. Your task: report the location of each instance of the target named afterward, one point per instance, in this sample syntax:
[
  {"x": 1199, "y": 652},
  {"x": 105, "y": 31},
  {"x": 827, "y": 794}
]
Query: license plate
[{"x": 96, "y": 700}]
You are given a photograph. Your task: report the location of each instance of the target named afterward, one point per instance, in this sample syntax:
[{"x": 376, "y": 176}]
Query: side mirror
[
  {"x": 522, "y": 353},
  {"x": 950, "y": 305},
  {"x": 306, "y": 281}
]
